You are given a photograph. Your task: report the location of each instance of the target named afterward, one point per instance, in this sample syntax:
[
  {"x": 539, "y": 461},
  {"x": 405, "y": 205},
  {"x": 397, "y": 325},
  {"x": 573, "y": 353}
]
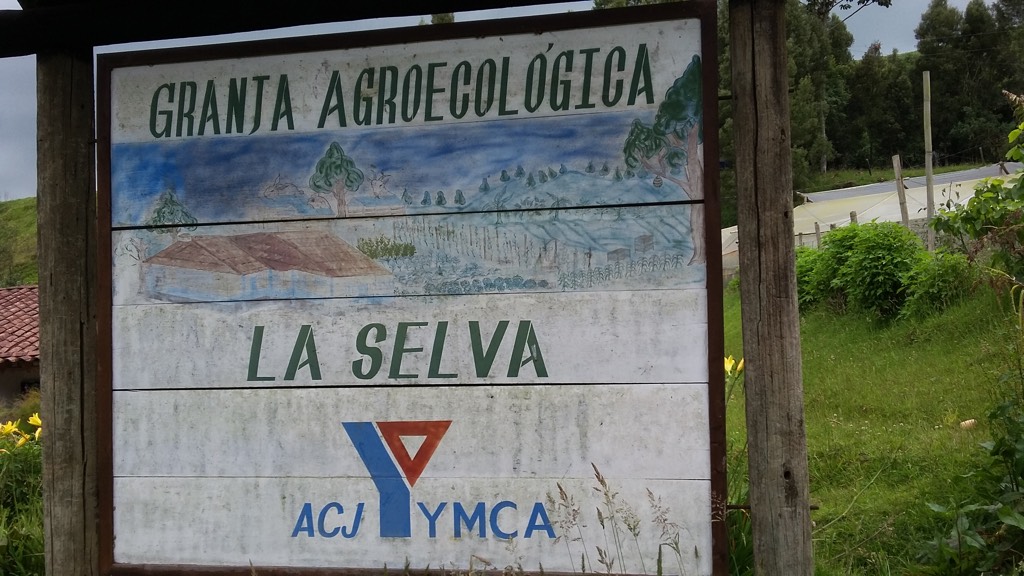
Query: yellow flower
[
  {"x": 739, "y": 367},
  {"x": 22, "y": 441},
  {"x": 34, "y": 420},
  {"x": 9, "y": 428},
  {"x": 730, "y": 362},
  {"x": 39, "y": 432}
]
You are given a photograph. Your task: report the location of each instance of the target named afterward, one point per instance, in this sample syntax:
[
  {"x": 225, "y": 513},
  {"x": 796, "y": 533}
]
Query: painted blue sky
[{"x": 223, "y": 179}]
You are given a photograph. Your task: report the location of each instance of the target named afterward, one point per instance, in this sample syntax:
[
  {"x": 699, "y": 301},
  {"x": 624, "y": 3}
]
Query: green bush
[
  {"x": 836, "y": 248},
  {"x": 807, "y": 260},
  {"x": 861, "y": 265},
  {"x": 936, "y": 282},
  {"x": 872, "y": 276}
]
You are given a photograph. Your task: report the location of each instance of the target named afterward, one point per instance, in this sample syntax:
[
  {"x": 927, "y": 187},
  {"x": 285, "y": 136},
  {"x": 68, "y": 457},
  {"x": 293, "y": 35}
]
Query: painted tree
[
  {"x": 169, "y": 215},
  {"x": 338, "y": 174},
  {"x": 671, "y": 146},
  {"x": 460, "y": 198}
]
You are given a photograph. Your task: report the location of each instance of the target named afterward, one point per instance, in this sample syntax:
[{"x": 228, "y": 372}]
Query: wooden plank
[
  {"x": 409, "y": 128},
  {"x": 570, "y": 427},
  {"x": 597, "y": 337},
  {"x": 606, "y": 248},
  {"x": 66, "y": 211},
  {"x": 238, "y": 520}
]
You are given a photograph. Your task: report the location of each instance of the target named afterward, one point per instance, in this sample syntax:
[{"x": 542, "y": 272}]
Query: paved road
[{"x": 889, "y": 186}]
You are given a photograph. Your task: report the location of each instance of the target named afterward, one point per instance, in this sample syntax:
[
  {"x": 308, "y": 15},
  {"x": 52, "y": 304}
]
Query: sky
[{"x": 893, "y": 27}]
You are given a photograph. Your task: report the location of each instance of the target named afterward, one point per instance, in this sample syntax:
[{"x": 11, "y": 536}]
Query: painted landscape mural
[{"x": 579, "y": 202}]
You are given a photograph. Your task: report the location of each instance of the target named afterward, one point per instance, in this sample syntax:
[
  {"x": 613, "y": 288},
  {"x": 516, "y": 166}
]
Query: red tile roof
[{"x": 19, "y": 325}]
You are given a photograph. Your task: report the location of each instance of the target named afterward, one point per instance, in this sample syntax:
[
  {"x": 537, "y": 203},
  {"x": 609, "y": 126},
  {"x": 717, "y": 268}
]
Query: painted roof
[
  {"x": 308, "y": 251},
  {"x": 19, "y": 325}
]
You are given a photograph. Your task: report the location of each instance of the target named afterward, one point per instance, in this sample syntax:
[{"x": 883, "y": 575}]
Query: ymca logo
[{"x": 395, "y": 473}]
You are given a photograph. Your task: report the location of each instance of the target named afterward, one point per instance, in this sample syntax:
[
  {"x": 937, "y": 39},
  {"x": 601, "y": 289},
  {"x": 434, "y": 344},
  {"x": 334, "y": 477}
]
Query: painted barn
[
  {"x": 263, "y": 265},
  {"x": 19, "y": 341}
]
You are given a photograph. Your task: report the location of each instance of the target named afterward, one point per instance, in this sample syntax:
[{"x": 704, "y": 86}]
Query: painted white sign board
[{"x": 442, "y": 302}]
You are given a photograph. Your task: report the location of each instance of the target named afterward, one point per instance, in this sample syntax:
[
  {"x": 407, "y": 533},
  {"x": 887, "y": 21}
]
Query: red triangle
[{"x": 431, "y": 430}]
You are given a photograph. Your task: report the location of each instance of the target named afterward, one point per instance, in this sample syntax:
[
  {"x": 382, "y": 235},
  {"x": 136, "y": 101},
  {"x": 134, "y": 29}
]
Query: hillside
[{"x": 18, "y": 264}]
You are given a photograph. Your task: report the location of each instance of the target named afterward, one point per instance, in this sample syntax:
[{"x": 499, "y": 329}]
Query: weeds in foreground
[
  {"x": 987, "y": 531},
  {"x": 619, "y": 522}
]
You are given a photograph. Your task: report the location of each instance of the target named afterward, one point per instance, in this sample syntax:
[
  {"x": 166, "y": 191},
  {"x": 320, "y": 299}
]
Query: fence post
[{"x": 897, "y": 168}]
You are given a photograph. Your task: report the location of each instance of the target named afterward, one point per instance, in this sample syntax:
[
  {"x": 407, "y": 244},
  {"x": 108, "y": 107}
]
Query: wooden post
[
  {"x": 901, "y": 191},
  {"x": 66, "y": 206},
  {"x": 853, "y": 216},
  {"x": 930, "y": 204},
  {"x": 777, "y": 446},
  {"x": 817, "y": 235},
  {"x": 832, "y": 226},
  {"x": 801, "y": 238}
]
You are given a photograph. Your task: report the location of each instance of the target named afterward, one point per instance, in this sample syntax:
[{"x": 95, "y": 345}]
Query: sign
[{"x": 438, "y": 297}]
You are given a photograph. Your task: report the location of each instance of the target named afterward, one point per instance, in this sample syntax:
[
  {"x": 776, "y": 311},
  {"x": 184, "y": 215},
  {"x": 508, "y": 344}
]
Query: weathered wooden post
[
  {"x": 853, "y": 216},
  {"x": 817, "y": 235},
  {"x": 66, "y": 205},
  {"x": 771, "y": 337}
]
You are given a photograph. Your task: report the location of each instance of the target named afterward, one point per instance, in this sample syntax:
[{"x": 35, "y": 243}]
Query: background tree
[
  {"x": 1009, "y": 17},
  {"x": 337, "y": 173},
  {"x": 877, "y": 109}
]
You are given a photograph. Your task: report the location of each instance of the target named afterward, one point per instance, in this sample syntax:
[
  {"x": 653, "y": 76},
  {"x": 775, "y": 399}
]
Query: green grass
[
  {"x": 848, "y": 178},
  {"x": 18, "y": 263},
  {"x": 883, "y": 406}
]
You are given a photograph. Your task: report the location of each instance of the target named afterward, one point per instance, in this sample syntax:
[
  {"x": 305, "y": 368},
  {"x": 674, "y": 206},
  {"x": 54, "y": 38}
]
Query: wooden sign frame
[{"x": 197, "y": 255}]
